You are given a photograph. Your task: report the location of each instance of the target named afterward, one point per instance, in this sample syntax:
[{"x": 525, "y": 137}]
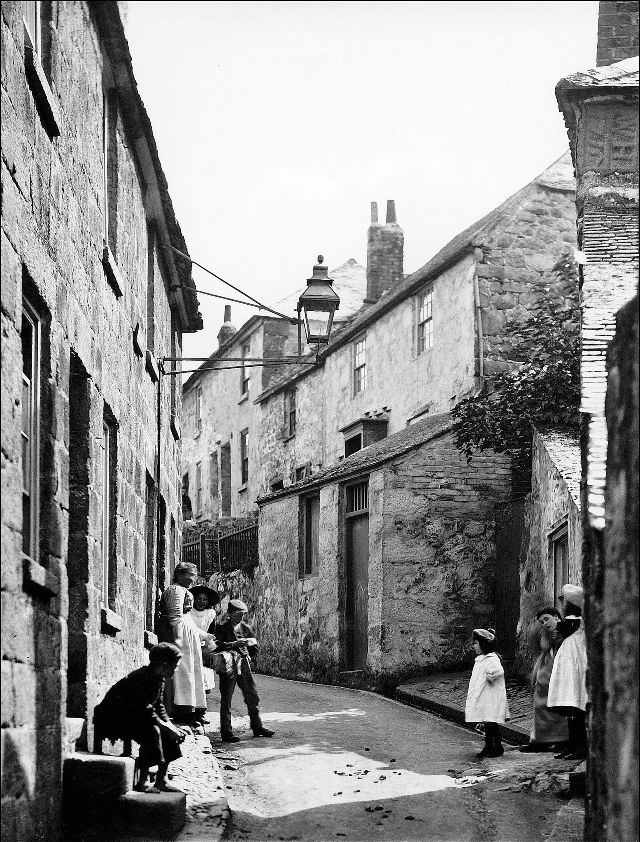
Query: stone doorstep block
[
  {"x": 72, "y": 732},
  {"x": 96, "y": 778},
  {"x": 154, "y": 816}
]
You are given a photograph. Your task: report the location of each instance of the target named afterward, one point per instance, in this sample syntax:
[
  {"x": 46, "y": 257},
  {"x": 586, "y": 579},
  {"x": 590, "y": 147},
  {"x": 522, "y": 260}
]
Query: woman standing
[
  {"x": 204, "y": 614},
  {"x": 177, "y": 626},
  {"x": 549, "y": 728}
]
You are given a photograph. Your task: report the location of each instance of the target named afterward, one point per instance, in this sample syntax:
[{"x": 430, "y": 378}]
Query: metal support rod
[
  {"x": 254, "y": 360},
  {"x": 246, "y": 294},
  {"x": 254, "y": 365}
]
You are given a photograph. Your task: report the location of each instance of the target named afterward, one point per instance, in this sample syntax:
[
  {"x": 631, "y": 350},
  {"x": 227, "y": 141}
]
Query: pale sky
[{"x": 278, "y": 123}]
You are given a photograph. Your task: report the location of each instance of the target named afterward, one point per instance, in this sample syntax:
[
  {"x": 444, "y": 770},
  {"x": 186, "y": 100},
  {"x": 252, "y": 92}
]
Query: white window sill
[
  {"x": 44, "y": 98},
  {"x": 111, "y": 271},
  {"x": 150, "y": 639},
  {"x": 110, "y": 622},
  {"x": 242, "y": 488},
  {"x": 151, "y": 366},
  {"x": 244, "y": 397},
  {"x": 37, "y": 578}
]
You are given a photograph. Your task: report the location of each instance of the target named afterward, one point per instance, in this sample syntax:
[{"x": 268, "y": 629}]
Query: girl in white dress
[
  {"x": 487, "y": 695},
  {"x": 204, "y": 615}
]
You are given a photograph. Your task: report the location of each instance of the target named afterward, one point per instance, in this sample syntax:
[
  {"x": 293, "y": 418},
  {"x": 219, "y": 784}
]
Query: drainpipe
[
  {"x": 476, "y": 294},
  {"x": 157, "y": 472}
]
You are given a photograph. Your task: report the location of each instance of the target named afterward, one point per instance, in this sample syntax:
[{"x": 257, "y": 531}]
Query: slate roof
[
  {"x": 558, "y": 176},
  {"x": 370, "y": 457},
  {"x": 564, "y": 452}
]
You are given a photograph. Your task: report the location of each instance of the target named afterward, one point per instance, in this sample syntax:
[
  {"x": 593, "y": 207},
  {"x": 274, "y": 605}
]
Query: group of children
[
  {"x": 134, "y": 708},
  {"x": 159, "y": 704},
  {"x": 559, "y": 679}
]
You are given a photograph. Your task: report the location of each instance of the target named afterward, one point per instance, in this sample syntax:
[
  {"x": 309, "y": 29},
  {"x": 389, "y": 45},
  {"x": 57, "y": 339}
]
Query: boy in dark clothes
[
  {"x": 133, "y": 710},
  {"x": 231, "y": 636}
]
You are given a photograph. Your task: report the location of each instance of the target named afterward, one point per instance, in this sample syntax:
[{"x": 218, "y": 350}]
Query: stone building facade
[
  {"x": 552, "y": 534},
  {"x": 426, "y": 527},
  {"x": 92, "y": 300},
  {"x": 600, "y": 108},
  {"x": 223, "y": 439}
]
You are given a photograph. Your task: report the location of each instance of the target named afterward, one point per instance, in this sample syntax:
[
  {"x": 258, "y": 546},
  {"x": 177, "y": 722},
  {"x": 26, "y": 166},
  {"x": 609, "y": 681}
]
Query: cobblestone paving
[{"x": 197, "y": 772}]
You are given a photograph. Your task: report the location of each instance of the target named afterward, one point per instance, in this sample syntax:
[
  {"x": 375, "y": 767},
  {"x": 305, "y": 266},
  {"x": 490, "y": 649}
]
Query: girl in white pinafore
[
  {"x": 487, "y": 694},
  {"x": 204, "y": 615},
  {"x": 177, "y": 626}
]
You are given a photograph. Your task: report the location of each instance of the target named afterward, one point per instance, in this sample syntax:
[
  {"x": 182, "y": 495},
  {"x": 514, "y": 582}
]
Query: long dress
[
  {"x": 176, "y": 622},
  {"x": 487, "y": 694},
  {"x": 203, "y": 619},
  {"x": 548, "y": 727},
  {"x": 568, "y": 683}
]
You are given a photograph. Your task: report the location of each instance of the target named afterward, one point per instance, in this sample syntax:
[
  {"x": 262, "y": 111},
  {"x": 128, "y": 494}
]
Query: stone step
[
  {"x": 97, "y": 776},
  {"x": 351, "y": 678},
  {"x": 159, "y": 816},
  {"x": 73, "y": 728}
]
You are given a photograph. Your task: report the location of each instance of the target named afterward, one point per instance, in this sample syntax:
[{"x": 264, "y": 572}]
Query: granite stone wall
[
  {"x": 432, "y": 562},
  {"x": 63, "y": 645}
]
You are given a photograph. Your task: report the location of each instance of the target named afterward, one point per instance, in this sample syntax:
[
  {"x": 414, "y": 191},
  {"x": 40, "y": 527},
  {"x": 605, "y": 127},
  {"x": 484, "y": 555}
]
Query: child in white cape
[{"x": 487, "y": 694}]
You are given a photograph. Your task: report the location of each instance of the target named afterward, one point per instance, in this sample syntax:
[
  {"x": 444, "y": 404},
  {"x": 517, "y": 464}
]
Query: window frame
[
  {"x": 424, "y": 320},
  {"x": 359, "y": 365},
  {"x": 309, "y": 548},
  {"x": 198, "y": 495},
  {"x": 558, "y": 538},
  {"x": 290, "y": 413},
  {"x": 31, "y": 437},
  {"x": 244, "y": 456},
  {"x": 35, "y": 38},
  {"x": 245, "y": 379},
  {"x": 198, "y": 410}
]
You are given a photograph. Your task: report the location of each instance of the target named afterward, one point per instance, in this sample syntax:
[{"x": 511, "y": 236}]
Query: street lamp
[{"x": 317, "y": 306}]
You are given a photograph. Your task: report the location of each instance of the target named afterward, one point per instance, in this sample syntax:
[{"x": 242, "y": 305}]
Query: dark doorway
[{"x": 357, "y": 576}]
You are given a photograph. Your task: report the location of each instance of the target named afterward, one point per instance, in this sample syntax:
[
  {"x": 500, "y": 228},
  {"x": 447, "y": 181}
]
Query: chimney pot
[
  {"x": 374, "y": 211},
  {"x": 227, "y": 312},
  {"x": 391, "y": 211}
]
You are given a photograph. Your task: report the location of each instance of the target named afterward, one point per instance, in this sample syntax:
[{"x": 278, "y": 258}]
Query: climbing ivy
[{"x": 542, "y": 390}]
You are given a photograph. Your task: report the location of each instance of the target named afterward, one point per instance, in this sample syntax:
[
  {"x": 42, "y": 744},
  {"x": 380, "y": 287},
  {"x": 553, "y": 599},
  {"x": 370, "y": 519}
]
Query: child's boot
[
  {"x": 497, "y": 749},
  {"x": 486, "y": 749}
]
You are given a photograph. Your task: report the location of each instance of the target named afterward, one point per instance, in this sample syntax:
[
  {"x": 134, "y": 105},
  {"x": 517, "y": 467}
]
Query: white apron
[
  {"x": 568, "y": 683},
  {"x": 487, "y": 700},
  {"x": 203, "y": 620},
  {"x": 188, "y": 679}
]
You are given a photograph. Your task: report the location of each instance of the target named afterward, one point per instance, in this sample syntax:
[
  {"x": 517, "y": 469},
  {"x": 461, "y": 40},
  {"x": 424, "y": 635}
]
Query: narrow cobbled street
[{"x": 350, "y": 764}]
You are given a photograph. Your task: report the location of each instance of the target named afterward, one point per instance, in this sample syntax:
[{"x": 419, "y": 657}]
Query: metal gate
[{"x": 223, "y": 552}]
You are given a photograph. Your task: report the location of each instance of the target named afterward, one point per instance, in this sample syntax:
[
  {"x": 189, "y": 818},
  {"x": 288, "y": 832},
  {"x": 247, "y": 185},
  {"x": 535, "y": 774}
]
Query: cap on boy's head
[
  {"x": 573, "y": 594},
  {"x": 237, "y": 605},
  {"x": 485, "y": 634},
  {"x": 164, "y": 653}
]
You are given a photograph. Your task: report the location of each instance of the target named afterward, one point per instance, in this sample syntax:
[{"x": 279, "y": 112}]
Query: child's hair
[
  {"x": 164, "y": 653},
  {"x": 553, "y": 612},
  {"x": 486, "y": 645}
]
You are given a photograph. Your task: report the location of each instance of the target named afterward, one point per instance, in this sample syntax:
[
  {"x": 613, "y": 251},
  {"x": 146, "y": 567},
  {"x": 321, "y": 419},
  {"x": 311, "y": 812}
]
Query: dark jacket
[
  {"x": 227, "y": 633},
  {"x": 132, "y": 702}
]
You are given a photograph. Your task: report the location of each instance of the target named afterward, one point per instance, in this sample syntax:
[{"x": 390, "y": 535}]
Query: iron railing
[{"x": 223, "y": 553}]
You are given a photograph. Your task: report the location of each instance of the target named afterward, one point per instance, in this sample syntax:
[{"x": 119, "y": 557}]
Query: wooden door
[{"x": 357, "y": 584}]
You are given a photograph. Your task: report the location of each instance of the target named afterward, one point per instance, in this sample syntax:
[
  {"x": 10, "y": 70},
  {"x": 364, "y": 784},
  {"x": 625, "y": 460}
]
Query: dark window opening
[
  {"x": 151, "y": 569},
  {"x": 109, "y": 456},
  {"x": 560, "y": 556},
  {"x": 245, "y": 378},
  {"x": 225, "y": 479},
  {"x": 358, "y": 497},
  {"x": 310, "y": 529},
  {"x": 353, "y": 444},
  {"x": 290, "y": 413},
  {"x": 187, "y": 512}
]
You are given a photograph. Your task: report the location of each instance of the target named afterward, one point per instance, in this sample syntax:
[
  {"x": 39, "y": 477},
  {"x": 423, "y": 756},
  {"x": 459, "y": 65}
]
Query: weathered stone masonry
[{"x": 63, "y": 643}]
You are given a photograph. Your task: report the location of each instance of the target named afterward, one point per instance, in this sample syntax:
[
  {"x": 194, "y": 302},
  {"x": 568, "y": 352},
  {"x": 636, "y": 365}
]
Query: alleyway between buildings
[{"x": 347, "y": 764}]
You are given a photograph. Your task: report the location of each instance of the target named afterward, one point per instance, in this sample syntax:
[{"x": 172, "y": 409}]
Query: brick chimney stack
[
  {"x": 385, "y": 251},
  {"x": 617, "y": 31},
  {"x": 227, "y": 330}
]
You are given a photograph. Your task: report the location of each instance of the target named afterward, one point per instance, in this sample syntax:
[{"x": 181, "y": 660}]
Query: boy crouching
[{"x": 133, "y": 710}]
